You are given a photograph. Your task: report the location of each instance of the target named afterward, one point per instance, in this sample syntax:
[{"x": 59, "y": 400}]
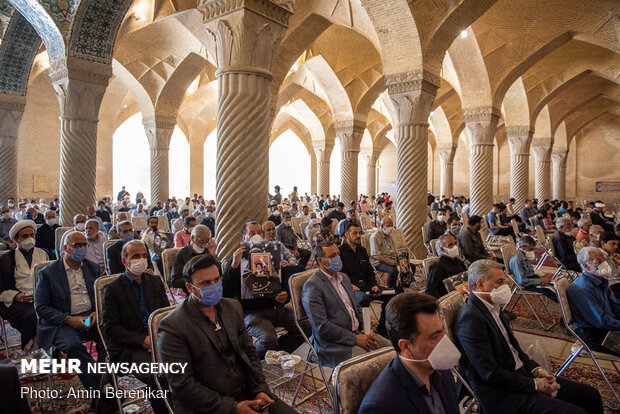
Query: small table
[{"x": 276, "y": 381}]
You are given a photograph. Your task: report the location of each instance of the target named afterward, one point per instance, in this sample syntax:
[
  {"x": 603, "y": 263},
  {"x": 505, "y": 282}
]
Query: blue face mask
[
  {"x": 78, "y": 254},
  {"x": 128, "y": 237},
  {"x": 28, "y": 217},
  {"x": 335, "y": 264},
  {"x": 211, "y": 294},
  {"x": 209, "y": 214}
]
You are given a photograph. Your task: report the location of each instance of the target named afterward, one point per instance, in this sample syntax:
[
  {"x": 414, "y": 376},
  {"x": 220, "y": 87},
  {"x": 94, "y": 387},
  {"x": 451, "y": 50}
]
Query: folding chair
[
  {"x": 433, "y": 244},
  {"x": 154, "y": 319},
  {"x": 163, "y": 224},
  {"x": 399, "y": 241},
  {"x": 434, "y": 214},
  {"x": 449, "y": 307},
  {"x": 167, "y": 258},
  {"x": 507, "y": 253},
  {"x": 311, "y": 234},
  {"x": 99, "y": 286},
  {"x": 367, "y": 224},
  {"x": 580, "y": 349},
  {"x": 425, "y": 239},
  {"x": 296, "y": 283},
  {"x": 139, "y": 223},
  {"x": 296, "y": 221},
  {"x": 427, "y": 263},
  {"x": 352, "y": 378},
  {"x": 58, "y": 233}
]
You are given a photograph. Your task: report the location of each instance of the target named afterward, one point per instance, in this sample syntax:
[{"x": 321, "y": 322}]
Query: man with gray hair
[
  {"x": 563, "y": 244},
  {"x": 584, "y": 229},
  {"x": 383, "y": 250},
  {"x": 448, "y": 264},
  {"x": 595, "y": 232},
  {"x": 504, "y": 379},
  {"x": 521, "y": 267},
  {"x": 200, "y": 243},
  {"x": 595, "y": 309}
]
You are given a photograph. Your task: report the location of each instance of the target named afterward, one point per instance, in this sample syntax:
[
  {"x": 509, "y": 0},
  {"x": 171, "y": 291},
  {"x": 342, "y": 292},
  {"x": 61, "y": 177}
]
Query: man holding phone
[{"x": 65, "y": 303}]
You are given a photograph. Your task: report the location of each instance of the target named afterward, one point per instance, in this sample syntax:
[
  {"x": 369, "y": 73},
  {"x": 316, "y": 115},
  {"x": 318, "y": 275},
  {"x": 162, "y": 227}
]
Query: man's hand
[
  {"x": 375, "y": 291},
  {"x": 545, "y": 280},
  {"x": 355, "y": 287},
  {"x": 616, "y": 257},
  {"x": 237, "y": 257},
  {"x": 76, "y": 322},
  {"x": 282, "y": 297},
  {"x": 249, "y": 407},
  {"x": 295, "y": 253},
  {"x": 547, "y": 386},
  {"x": 368, "y": 342},
  {"x": 149, "y": 271},
  {"x": 266, "y": 399},
  {"x": 146, "y": 344},
  {"x": 211, "y": 247},
  {"x": 21, "y": 297}
]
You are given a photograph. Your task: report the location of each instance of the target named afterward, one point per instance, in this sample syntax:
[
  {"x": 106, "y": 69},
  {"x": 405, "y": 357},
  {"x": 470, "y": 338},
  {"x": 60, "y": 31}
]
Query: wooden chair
[{"x": 154, "y": 320}]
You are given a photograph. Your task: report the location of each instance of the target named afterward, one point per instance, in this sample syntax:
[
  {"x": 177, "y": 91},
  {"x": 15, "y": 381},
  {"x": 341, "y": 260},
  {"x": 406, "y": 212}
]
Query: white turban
[{"x": 20, "y": 225}]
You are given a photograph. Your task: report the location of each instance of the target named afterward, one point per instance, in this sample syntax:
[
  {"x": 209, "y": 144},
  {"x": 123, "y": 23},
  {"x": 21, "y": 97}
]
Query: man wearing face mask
[
  {"x": 152, "y": 239},
  {"x": 46, "y": 233},
  {"x": 448, "y": 264},
  {"x": 127, "y": 303},
  {"x": 595, "y": 308},
  {"x": 208, "y": 332},
  {"x": 521, "y": 267},
  {"x": 209, "y": 219},
  {"x": 264, "y": 314},
  {"x": 275, "y": 215},
  {"x": 16, "y": 282},
  {"x": 65, "y": 304},
  {"x": 325, "y": 234},
  {"x": 313, "y": 224},
  {"x": 286, "y": 235},
  {"x": 79, "y": 222},
  {"x": 504, "y": 379},
  {"x": 95, "y": 241},
  {"x": 609, "y": 242},
  {"x": 453, "y": 226},
  {"x": 563, "y": 244},
  {"x": 383, "y": 251},
  {"x": 200, "y": 243},
  {"x": 351, "y": 218},
  {"x": 334, "y": 312},
  {"x": 438, "y": 226},
  {"x": 418, "y": 379},
  {"x": 470, "y": 241},
  {"x": 6, "y": 222},
  {"x": 598, "y": 218},
  {"x": 182, "y": 237},
  {"x": 114, "y": 252}
]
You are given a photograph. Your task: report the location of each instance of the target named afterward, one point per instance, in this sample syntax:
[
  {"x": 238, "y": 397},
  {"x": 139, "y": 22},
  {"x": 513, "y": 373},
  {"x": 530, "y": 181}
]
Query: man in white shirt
[
  {"x": 139, "y": 211},
  {"x": 95, "y": 242}
]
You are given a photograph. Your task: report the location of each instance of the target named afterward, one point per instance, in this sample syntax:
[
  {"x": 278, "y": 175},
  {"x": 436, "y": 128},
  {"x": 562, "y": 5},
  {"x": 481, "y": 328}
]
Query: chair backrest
[
  {"x": 427, "y": 263},
  {"x": 399, "y": 239},
  {"x": 335, "y": 227},
  {"x": 154, "y": 319},
  {"x": 434, "y": 214},
  {"x": 167, "y": 258},
  {"x": 296, "y": 285},
  {"x": 296, "y": 221},
  {"x": 561, "y": 286},
  {"x": 163, "y": 224},
  {"x": 366, "y": 242},
  {"x": 449, "y": 306},
  {"x": 550, "y": 245},
  {"x": 458, "y": 282},
  {"x": 311, "y": 234},
  {"x": 199, "y": 218},
  {"x": 577, "y": 246},
  {"x": 100, "y": 283},
  {"x": 58, "y": 233},
  {"x": 139, "y": 223},
  {"x": 433, "y": 244},
  {"x": 35, "y": 272},
  {"x": 107, "y": 244},
  {"x": 508, "y": 251},
  {"x": 424, "y": 235},
  {"x": 515, "y": 227},
  {"x": 365, "y": 222},
  {"x": 540, "y": 233},
  {"x": 352, "y": 378}
]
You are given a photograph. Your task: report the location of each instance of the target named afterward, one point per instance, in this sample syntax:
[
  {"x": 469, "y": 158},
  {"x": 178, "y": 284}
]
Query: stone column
[
  {"x": 350, "y": 134},
  {"x": 244, "y": 36},
  {"x": 412, "y": 95},
  {"x": 313, "y": 175},
  {"x": 323, "y": 154},
  {"x": 446, "y": 158},
  {"x": 542, "y": 174},
  {"x": 481, "y": 125},
  {"x": 519, "y": 138},
  {"x": 11, "y": 112},
  {"x": 558, "y": 156},
  {"x": 196, "y": 165},
  {"x": 80, "y": 86},
  {"x": 159, "y": 132},
  {"x": 371, "y": 177}
]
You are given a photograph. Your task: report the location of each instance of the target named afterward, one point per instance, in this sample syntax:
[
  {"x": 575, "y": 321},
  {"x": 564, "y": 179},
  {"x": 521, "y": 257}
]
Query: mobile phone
[
  {"x": 87, "y": 321},
  {"x": 263, "y": 408}
]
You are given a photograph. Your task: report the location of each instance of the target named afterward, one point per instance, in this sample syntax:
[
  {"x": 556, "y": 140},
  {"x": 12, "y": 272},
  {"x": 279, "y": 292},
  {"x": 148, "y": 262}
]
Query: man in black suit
[
  {"x": 563, "y": 244},
  {"x": 115, "y": 263},
  {"x": 208, "y": 333},
  {"x": 503, "y": 377},
  {"x": 46, "y": 233},
  {"x": 418, "y": 379},
  {"x": 200, "y": 242},
  {"x": 65, "y": 303},
  {"x": 127, "y": 303},
  {"x": 598, "y": 218}
]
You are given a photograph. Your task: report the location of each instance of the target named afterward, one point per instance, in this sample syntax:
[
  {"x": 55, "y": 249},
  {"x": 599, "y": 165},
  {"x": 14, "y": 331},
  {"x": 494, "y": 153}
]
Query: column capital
[
  {"x": 159, "y": 132},
  {"x": 350, "y": 133},
  {"x": 412, "y": 81},
  {"x": 519, "y": 139},
  {"x": 323, "y": 150},
  {"x": 244, "y": 34},
  {"x": 481, "y": 124},
  {"x": 541, "y": 147},
  {"x": 481, "y": 114},
  {"x": 558, "y": 155},
  {"x": 542, "y": 143},
  {"x": 446, "y": 152},
  {"x": 11, "y": 113}
]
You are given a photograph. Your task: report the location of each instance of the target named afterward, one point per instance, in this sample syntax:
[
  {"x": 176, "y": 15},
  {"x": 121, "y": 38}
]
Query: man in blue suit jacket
[
  {"x": 503, "y": 377},
  {"x": 334, "y": 313},
  {"x": 65, "y": 304},
  {"x": 418, "y": 379}
]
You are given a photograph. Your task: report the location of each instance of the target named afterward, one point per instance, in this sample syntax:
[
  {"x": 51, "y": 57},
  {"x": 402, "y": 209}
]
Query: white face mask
[
  {"x": 602, "y": 270},
  {"x": 197, "y": 250},
  {"x": 452, "y": 252},
  {"x": 51, "y": 222},
  {"x": 276, "y": 213},
  {"x": 137, "y": 266},
  {"x": 80, "y": 226},
  {"x": 11, "y": 205},
  {"x": 440, "y": 218},
  {"x": 500, "y": 295},
  {"x": 27, "y": 244},
  {"x": 288, "y": 223},
  {"x": 387, "y": 230},
  {"x": 444, "y": 356},
  {"x": 530, "y": 256},
  {"x": 256, "y": 238},
  {"x": 6, "y": 216}
]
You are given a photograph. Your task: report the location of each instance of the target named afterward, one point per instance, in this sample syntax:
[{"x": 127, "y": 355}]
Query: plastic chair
[
  {"x": 139, "y": 223},
  {"x": 427, "y": 263},
  {"x": 154, "y": 320}
]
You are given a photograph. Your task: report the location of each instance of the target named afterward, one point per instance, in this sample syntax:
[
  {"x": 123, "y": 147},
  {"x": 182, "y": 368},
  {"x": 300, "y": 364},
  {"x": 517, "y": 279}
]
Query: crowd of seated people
[{"x": 344, "y": 280}]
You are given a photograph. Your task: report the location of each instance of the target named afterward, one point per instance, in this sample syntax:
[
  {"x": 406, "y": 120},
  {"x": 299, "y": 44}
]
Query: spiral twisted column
[
  {"x": 371, "y": 177},
  {"x": 323, "y": 154},
  {"x": 519, "y": 139},
  {"x": 558, "y": 157},
  {"x": 446, "y": 159},
  {"x": 412, "y": 94},
  {"x": 243, "y": 36},
  {"x": 542, "y": 173},
  {"x": 481, "y": 125},
  {"x": 11, "y": 112},
  {"x": 350, "y": 135},
  {"x": 80, "y": 86},
  {"x": 313, "y": 176},
  {"x": 159, "y": 132}
]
